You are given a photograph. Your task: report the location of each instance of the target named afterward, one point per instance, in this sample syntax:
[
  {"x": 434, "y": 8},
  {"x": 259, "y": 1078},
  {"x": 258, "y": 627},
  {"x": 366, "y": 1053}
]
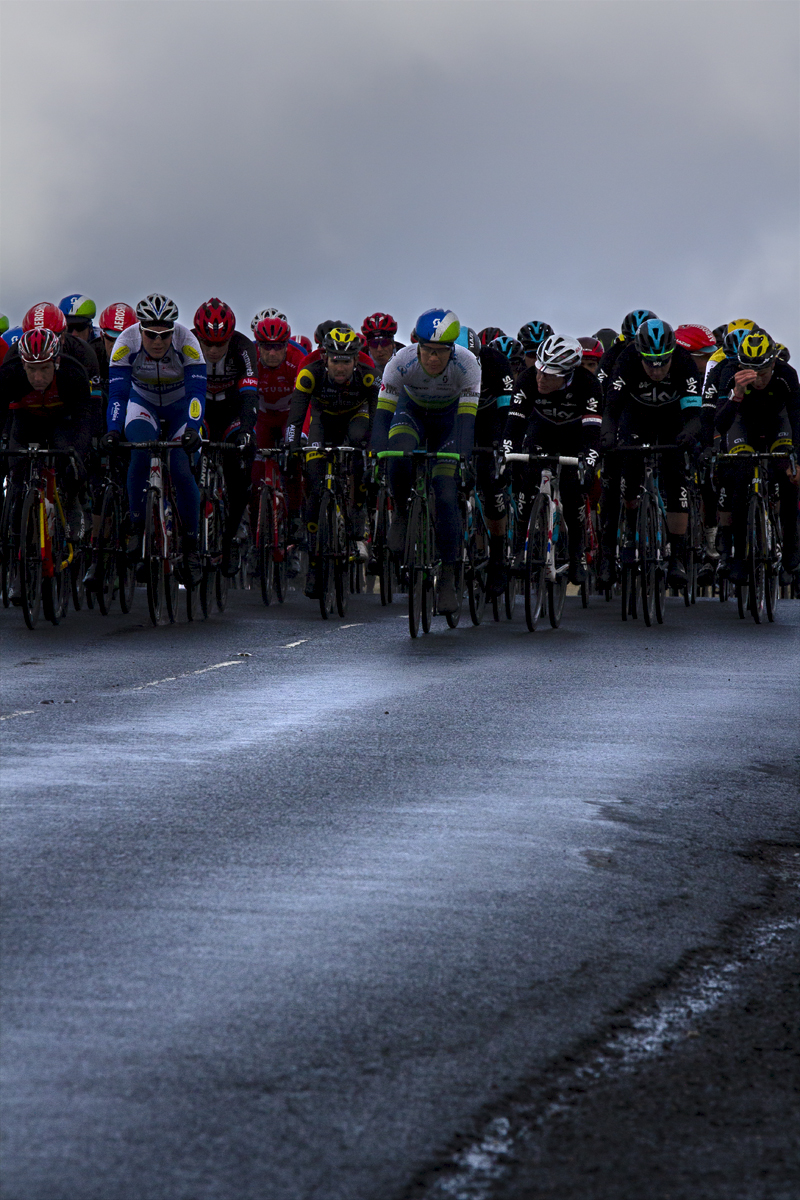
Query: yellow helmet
[
  {"x": 342, "y": 340},
  {"x": 742, "y": 323},
  {"x": 757, "y": 351}
]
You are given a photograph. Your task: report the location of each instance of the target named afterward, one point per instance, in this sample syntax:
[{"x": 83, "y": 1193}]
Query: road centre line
[
  {"x": 24, "y": 712},
  {"x": 290, "y": 645},
  {"x": 355, "y": 625}
]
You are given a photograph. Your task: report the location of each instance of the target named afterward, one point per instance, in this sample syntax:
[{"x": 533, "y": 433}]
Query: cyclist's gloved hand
[
  {"x": 468, "y": 476},
  {"x": 607, "y": 439},
  {"x": 243, "y": 439},
  {"x": 686, "y": 439},
  {"x": 191, "y": 441},
  {"x": 707, "y": 455},
  {"x": 110, "y": 440}
]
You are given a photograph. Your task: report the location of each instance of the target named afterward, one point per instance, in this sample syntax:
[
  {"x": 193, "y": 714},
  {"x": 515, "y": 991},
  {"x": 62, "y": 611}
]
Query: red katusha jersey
[{"x": 275, "y": 386}]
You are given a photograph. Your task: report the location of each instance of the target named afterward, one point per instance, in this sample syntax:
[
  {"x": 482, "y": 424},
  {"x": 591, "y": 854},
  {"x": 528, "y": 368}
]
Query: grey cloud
[{"x": 511, "y": 160}]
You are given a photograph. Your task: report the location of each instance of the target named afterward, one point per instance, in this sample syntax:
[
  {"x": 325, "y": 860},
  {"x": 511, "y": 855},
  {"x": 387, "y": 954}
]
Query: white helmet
[
  {"x": 267, "y": 314},
  {"x": 559, "y": 355},
  {"x": 157, "y": 309}
]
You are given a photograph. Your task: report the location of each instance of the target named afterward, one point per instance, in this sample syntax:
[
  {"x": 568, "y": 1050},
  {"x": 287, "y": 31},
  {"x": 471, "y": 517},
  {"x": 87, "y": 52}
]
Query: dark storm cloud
[{"x": 567, "y": 161}]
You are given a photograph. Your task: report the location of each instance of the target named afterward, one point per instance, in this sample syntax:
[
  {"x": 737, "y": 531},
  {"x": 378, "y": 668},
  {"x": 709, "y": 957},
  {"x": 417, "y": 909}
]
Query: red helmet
[
  {"x": 115, "y": 318},
  {"x": 379, "y": 323},
  {"x": 39, "y": 346},
  {"x": 214, "y": 321},
  {"x": 592, "y": 348},
  {"x": 697, "y": 339},
  {"x": 273, "y": 330},
  {"x": 303, "y": 341},
  {"x": 44, "y": 316}
]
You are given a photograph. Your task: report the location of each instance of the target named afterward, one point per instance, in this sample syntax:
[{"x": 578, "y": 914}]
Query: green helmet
[{"x": 4, "y": 323}]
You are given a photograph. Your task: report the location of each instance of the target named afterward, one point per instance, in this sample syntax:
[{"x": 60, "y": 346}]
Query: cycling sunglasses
[
  {"x": 380, "y": 341},
  {"x": 157, "y": 334}
]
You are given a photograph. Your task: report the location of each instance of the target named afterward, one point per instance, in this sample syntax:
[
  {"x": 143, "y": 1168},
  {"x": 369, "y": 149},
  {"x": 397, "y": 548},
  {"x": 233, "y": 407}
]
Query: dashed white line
[
  {"x": 23, "y": 712},
  {"x": 234, "y": 662},
  {"x": 290, "y": 645},
  {"x": 355, "y": 625}
]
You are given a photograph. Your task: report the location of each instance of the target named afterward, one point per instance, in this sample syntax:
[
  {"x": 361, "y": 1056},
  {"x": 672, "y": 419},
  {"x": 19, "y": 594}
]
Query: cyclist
[
  {"x": 279, "y": 360},
  {"x": 489, "y": 334},
  {"x": 700, "y": 342},
  {"x": 654, "y": 397},
  {"x": 533, "y": 335},
  {"x": 592, "y": 353},
  {"x": 630, "y": 324},
  {"x": 112, "y": 321},
  {"x": 341, "y": 393},
  {"x": 429, "y": 396},
  {"x": 556, "y": 406},
  {"x": 379, "y": 331},
  {"x": 49, "y": 400},
  {"x": 158, "y": 377},
  {"x": 501, "y": 361},
  {"x": 322, "y": 331},
  {"x": 230, "y": 411},
  {"x": 760, "y": 411},
  {"x": 606, "y": 337}
]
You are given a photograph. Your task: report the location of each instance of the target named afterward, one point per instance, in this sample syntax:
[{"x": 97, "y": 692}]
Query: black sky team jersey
[
  {"x": 313, "y": 387},
  {"x": 580, "y": 400}
]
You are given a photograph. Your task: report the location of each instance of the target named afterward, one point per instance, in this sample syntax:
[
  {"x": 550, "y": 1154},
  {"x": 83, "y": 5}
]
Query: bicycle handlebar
[
  {"x": 641, "y": 448},
  {"x": 36, "y": 451},
  {"x": 557, "y": 458},
  {"x": 417, "y": 454}
]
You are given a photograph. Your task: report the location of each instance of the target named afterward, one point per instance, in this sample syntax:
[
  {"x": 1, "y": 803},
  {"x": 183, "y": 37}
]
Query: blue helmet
[
  {"x": 533, "y": 334},
  {"x": 12, "y": 336},
  {"x": 80, "y": 308},
  {"x": 655, "y": 340},
  {"x": 509, "y": 347},
  {"x": 633, "y": 320},
  {"x": 732, "y": 341},
  {"x": 469, "y": 339},
  {"x": 438, "y": 325}
]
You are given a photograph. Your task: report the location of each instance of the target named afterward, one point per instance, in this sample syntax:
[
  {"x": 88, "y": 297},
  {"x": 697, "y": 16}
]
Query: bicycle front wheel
[
  {"x": 661, "y": 564},
  {"x": 773, "y": 568},
  {"x": 757, "y": 556},
  {"x": 280, "y": 554},
  {"x": 415, "y": 566},
  {"x": 107, "y": 550},
  {"x": 342, "y": 560},
  {"x": 648, "y": 557},
  {"x": 153, "y": 550},
  {"x": 380, "y": 547},
  {"x": 535, "y": 562},
  {"x": 30, "y": 559},
  {"x": 557, "y": 588},
  {"x": 265, "y": 539},
  {"x": 326, "y": 549}
]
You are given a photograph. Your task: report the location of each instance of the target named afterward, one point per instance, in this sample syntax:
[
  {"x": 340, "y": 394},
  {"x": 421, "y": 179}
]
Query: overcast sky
[{"x": 510, "y": 159}]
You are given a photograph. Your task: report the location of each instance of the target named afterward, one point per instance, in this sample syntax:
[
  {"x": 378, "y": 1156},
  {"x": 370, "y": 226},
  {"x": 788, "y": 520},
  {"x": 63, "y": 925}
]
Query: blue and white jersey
[
  {"x": 158, "y": 382},
  {"x": 459, "y": 381}
]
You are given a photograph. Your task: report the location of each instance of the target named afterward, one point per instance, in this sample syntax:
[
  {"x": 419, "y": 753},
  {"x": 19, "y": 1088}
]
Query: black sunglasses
[{"x": 380, "y": 341}]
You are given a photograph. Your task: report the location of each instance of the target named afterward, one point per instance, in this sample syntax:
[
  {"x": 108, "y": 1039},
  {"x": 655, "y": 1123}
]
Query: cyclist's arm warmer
[
  {"x": 248, "y": 394},
  {"x": 465, "y": 431},
  {"x": 519, "y": 413},
  {"x": 298, "y": 407},
  {"x": 119, "y": 390}
]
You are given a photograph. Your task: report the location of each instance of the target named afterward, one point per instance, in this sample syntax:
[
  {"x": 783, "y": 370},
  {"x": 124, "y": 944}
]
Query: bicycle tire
[
  {"x": 648, "y": 562},
  {"x": 265, "y": 535},
  {"x": 772, "y": 590},
  {"x": 10, "y": 551},
  {"x": 30, "y": 559},
  {"x": 535, "y": 562},
  {"x": 281, "y": 549},
  {"x": 107, "y": 550},
  {"x": 414, "y": 562},
  {"x": 342, "y": 560},
  {"x": 77, "y": 568},
  {"x": 380, "y": 547},
  {"x": 171, "y": 590},
  {"x": 756, "y": 557},
  {"x": 557, "y": 588},
  {"x": 221, "y": 588},
  {"x": 661, "y": 566},
  {"x": 477, "y": 569},
  {"x": 153, "y": 542},
  {"x": 326, "y": 544},
  {"x": 56, "y": 586}
]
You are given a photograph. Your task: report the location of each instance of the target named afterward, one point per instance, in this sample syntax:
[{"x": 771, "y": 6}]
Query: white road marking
[
  {"x": 24, "y": 712},
  {"x": 289, "y": 645},
  {"x": 355, "y": 625},
  {"x": 234, "y": 662}
]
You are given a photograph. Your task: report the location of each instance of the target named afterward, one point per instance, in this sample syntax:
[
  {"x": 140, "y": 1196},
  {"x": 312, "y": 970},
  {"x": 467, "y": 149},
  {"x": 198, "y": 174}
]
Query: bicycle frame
[{"x": 549, "y": 489}]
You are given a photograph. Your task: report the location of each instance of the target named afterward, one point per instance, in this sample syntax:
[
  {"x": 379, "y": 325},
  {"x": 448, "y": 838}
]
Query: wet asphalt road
[{"x": 281, "y": 929}]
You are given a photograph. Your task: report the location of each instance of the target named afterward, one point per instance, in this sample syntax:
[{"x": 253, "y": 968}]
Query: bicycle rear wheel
[
  {"x": 265, "y": 534},
  {"x": 30, "y": 559},
  {"x": 535, "y": 562},
  {"x": 757, "y": 557},
  {"x": 557, "y": 588}
]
